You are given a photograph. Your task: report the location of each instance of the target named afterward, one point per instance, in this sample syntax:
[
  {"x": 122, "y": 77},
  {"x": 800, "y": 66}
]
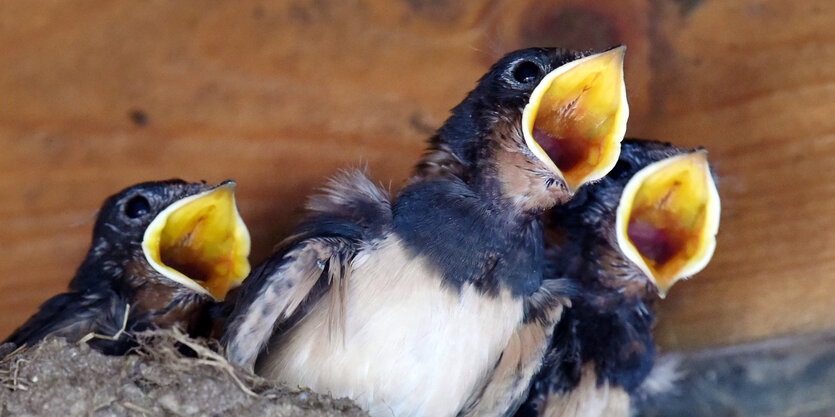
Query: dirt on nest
[{"x": 57, "y": 378}]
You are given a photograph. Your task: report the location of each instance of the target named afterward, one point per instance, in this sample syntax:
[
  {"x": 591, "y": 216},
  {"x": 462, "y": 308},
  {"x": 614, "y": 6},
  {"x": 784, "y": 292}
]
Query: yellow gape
[
  {"x": 576, "y": 117},
  {"x": 201, "y": 242},
  {"x": 668, "y": 218}
]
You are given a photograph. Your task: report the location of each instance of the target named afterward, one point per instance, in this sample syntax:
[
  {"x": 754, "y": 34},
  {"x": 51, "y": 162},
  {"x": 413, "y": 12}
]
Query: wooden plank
[
  {"x": 749, "y": 81},
  {"x": 96, "y": 95}
]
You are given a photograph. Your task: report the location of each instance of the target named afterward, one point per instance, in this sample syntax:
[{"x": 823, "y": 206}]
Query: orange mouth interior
[
  {"x": 576, "y": 117},
  {"x": 201, "y": 242},
  {"x": 668, "y": 218}
]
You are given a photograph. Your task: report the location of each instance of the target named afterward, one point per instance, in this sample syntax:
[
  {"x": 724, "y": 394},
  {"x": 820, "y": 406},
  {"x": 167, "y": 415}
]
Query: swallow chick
[
  {"x": 434, "y": 303},
  {"x": 162, "y": 253},
  {"x": 649, "y": 223}
]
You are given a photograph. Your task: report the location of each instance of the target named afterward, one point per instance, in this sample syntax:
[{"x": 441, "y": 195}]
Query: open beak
[
  {"x": 576, "y": 117},
  {"x": 668, "y": 217},
  {"x": 201, "y": 242}
]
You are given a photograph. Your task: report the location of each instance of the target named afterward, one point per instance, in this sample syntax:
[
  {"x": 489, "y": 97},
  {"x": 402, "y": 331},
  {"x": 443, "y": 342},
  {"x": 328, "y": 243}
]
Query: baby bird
[
  {"x": 650, "y": 222},
  {"x": 162, "y": 252},
  {"x": 434, "y": 302}
]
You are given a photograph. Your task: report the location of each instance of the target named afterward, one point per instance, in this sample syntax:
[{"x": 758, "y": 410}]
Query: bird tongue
[
  {"x": 654, "y": 243},
  {"x": 567, "y": 153}
]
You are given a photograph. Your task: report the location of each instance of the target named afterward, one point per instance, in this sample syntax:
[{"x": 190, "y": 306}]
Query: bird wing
[
  {"x": 74, "y": 315},
  {"x": 277, "y": 294},
  {"x": 506, "y": 386},
  {"x": 351, "y": 210}
]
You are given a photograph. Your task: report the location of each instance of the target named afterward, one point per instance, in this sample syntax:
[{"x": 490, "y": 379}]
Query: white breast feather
[{"x": 412, "y": 347}]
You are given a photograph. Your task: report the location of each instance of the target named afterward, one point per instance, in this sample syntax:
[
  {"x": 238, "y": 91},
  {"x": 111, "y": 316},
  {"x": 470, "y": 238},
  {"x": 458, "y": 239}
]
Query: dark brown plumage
[
  {"x": 602, "y": 349},
  {"x": 433, "y": 302}
]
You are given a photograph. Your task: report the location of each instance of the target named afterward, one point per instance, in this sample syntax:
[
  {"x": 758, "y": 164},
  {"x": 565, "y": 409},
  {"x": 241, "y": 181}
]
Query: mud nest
[{"x": 170, "y": 374}]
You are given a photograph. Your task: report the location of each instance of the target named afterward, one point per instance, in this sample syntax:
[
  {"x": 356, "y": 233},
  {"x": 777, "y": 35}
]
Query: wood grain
[{"x": 96, "y": 95}]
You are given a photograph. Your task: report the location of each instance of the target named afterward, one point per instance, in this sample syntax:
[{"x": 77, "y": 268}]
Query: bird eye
[
  {"x": 137, "y": 206},
  {"x": 526, "y": 71}
]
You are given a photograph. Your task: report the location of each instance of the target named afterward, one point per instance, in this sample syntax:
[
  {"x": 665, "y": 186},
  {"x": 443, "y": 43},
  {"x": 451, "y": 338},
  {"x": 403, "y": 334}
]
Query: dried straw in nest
[{"x": 168, "y": 374}]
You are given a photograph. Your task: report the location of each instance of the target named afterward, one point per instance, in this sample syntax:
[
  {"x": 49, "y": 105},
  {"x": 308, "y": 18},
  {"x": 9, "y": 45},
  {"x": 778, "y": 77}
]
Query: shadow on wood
[{"x": 792, "y": 377}]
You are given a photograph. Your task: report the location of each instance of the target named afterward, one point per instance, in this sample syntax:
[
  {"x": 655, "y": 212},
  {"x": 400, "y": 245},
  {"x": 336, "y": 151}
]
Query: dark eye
[
  {"x": 526, "y": 71},
  {"x": 137, "y": 206}
]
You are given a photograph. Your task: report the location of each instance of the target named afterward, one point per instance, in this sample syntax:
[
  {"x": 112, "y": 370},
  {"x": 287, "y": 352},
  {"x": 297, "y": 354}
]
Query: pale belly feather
[{"x": 411, "y": 346}]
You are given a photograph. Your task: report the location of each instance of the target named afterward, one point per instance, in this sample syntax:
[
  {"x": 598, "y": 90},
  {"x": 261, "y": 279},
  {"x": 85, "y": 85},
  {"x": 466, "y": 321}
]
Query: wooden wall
[{"x": 96, "y": 95}]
